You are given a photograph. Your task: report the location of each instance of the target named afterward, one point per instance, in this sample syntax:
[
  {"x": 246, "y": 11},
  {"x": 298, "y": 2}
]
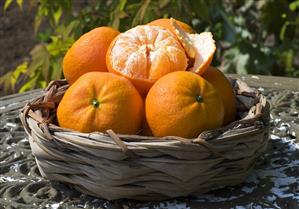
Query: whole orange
[
  {"x": 144, "y": 54},
  {"x": 88, "y": 53},
  {"x": 165, "y": 23},
  {"x": 225, "y": 90},
  {"x": 183, "y": 104},
  {"x": 98, "y": 101}
]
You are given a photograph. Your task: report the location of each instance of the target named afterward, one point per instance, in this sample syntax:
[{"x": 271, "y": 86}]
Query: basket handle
[
  {"x": 43, "y": 123},
  {"x": 23, "y": 115},
  {"x": 41, "y": 102}
]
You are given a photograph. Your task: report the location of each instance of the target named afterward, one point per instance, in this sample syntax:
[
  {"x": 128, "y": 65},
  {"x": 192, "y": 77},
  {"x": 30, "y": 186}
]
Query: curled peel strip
[{"x": 184, "y": 39}]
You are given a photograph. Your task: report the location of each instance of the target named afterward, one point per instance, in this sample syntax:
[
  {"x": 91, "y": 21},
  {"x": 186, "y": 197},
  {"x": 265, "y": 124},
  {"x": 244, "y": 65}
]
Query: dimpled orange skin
[
  {"x": 225, "y": 90},
  {"x": 174, "y": 108},
  {"x": 88, "y": 53},
  {"x": 98, "y": 101},
  {"x": 165, "y": 22}
]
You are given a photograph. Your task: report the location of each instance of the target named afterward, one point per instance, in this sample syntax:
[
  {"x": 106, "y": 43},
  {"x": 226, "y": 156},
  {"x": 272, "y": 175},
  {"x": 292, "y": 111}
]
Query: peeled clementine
[
  {"x": 183, "y": 104},
  {"x": 98, "y": 101},
  {"x": 165, "y": 23},
  {"x": 144, "y": 54},
  {"x": 225, "y": 90},
  {"x": 88, "y": 53}
]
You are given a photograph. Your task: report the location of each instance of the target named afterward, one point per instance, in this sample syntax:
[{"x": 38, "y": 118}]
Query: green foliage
[
  {"x": 9, "y": 80},
  {"x": 258, "y": 37}
]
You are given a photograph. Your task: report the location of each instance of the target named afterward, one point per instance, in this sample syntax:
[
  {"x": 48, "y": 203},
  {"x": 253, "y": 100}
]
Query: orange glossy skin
[
  {"x": 183, "y": 104},
  {"x": 225, "y": 90},
  {"x": 144, "y": 54},
  {"x": 98, "y": 101},
  {"x": 88, "y": 53},
  {"x": 165, "y": 22}
]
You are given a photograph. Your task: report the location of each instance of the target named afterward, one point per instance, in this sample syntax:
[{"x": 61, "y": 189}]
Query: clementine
[
  {"x": 88, "y": 53},
  {"x": 144, "y": 54},
  {"x": 98, "y": 101},
  {"x": 165, "y": 23},
  {"x": 183, "y": 104},
  {"x": 225, "y": 90}
]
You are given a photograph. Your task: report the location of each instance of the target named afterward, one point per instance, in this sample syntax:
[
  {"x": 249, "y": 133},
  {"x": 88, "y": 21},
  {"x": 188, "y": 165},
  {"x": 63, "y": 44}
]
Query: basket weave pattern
[{"x": 115, "y": 166}]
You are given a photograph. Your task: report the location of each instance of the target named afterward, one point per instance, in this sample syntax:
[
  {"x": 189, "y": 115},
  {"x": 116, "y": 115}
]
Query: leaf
[
  {"x": 179, "y": 8},
  {"x": 6, "y": 4},
  {"x": 15, "y": 75},
  {"x": 283, "y": 30},
  {"x": 122, "y": 15},
  {"x": 57, "y": 15},
  {"x": 5, "y": 82},
  {"x": 46, "y": 68},
  {"x": 57, "y": 69},
  {"x": 42, "y": 84},
  {"x": 115, "y": 22},
  {"x": 241, "y": 63},
  {"x": 234, "y": 61},
  {"x": 273, "y": 15},
  {"x": 294, "y": 5},
  {"x": 247, "y": 5},
  {"x": 228, "y": 65},
  {"x": 40, "y": 59},
  {"x": 141, "y": 12},
  {"x": 20, "y": 4},
  {"x": 229, "y": 29},
  {"x": 122, "y": 5},
  {"x": 163, "y": 3},
  {"x": 117, "y": 13},
  {"x": 30, "y": 84},
  {"x": 201, "y": 9},
  {"x": 32, "y": 4},
  {"x": 66, "y": 4},
  {"x": 69, "y": 28},
  {"x": 37, "y": 20}
]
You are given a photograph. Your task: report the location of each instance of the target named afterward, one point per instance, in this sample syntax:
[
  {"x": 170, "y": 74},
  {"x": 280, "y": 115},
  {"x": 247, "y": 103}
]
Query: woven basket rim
[{"x": 27, "y": 112}]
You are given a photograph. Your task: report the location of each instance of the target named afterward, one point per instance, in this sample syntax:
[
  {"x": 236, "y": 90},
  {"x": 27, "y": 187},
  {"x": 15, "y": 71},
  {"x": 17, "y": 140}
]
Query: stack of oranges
[{"x": 153, "y": 79}]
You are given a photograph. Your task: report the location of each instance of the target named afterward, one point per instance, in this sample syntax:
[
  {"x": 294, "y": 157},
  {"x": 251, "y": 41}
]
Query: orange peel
[{"x": 200, "y": 48}]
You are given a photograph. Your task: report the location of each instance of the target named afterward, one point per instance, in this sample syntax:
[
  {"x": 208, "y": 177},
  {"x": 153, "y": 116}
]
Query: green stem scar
[
  {"x": 199, "y": 98},
  {"x": 95, "y": 103}
]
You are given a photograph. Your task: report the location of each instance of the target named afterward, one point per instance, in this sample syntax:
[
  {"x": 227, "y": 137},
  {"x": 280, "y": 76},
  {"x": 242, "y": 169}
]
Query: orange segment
[{"x": 144, "y": 54}]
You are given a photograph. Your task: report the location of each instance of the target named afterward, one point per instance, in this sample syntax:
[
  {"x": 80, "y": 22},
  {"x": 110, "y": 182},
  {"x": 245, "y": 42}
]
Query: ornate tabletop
[{"x": 274, "y": 182}]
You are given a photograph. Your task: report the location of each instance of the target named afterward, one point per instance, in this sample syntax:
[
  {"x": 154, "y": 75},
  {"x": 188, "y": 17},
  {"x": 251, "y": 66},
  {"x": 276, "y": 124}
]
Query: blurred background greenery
[{"x": 253, "y": 37}]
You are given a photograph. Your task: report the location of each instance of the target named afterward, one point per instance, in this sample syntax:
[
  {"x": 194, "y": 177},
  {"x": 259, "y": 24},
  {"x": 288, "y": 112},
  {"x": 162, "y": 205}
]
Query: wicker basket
[{"x": 113, "y": 166}]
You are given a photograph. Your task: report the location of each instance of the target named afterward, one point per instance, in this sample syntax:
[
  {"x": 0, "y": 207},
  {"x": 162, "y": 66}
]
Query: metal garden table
[{"x": 274, "y": 182}]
